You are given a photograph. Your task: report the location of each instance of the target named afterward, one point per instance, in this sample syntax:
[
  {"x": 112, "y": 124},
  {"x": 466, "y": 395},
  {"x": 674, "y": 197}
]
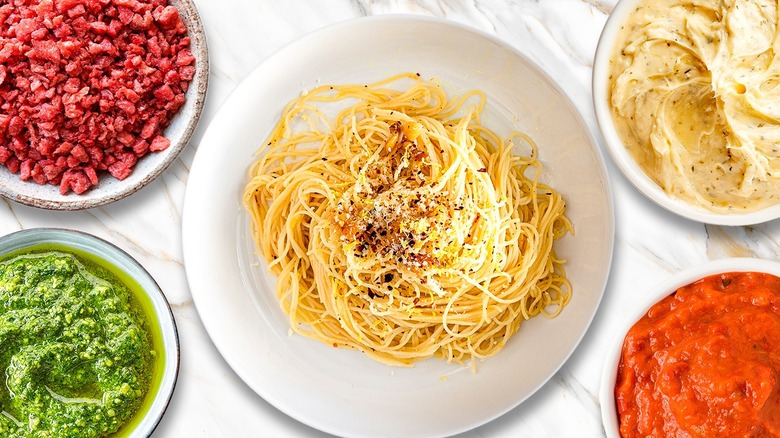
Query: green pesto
[{"x": 76, "y": 354}]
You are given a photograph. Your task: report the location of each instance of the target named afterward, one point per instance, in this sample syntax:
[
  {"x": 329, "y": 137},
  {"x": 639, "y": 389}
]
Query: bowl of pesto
[{"x": 88, "y": 343}]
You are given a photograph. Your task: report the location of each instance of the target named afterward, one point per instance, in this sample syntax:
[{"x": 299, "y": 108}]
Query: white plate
[{"x": 341, "y": 391}]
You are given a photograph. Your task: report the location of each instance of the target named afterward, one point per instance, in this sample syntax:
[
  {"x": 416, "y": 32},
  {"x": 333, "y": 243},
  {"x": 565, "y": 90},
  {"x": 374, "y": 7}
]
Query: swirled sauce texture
[
  {"x": 705, "y": 362},
  {"x": 695, "y": 95},
  {"x": 75, "y": 355}
]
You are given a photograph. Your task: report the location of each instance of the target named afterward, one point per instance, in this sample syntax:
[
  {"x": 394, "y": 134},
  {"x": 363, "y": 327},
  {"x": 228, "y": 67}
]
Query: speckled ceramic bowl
[
  {"x": 154, "y": 303},
  {"x": 151, "y": 165}
]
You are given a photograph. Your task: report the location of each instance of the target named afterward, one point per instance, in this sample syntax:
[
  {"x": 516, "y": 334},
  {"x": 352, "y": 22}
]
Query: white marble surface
[{"x": 561, "y": 36}]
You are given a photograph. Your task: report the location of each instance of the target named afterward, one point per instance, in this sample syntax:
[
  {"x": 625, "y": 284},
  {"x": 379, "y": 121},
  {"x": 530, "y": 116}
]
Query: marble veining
[{"x": 559, "y": 35}]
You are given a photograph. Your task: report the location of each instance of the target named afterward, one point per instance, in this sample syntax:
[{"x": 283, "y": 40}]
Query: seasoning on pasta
[{"x": 402, "y": 227}]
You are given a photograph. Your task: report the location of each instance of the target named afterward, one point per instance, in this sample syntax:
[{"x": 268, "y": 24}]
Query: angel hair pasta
[{"x": 402, "y": 227}]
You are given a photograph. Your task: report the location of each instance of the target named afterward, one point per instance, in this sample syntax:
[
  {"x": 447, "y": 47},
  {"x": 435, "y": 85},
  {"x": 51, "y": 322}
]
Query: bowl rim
[
  {"x": 26, "y": 238},
  {"x": 626, "y": 163},
  {"x": 197, "y": 95},
  {"x": 653, "y": 295}
]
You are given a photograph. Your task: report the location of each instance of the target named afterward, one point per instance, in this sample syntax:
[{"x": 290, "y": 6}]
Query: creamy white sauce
[{"x": 695, "y": 95}]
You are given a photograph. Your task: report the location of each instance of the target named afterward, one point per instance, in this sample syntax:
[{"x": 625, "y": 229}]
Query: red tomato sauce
[{"x": 705, "y": 362}]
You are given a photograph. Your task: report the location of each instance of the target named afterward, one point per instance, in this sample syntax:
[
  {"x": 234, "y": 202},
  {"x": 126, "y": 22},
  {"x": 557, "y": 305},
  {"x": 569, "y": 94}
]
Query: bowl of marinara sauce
[{"x": 701, "y": 357}]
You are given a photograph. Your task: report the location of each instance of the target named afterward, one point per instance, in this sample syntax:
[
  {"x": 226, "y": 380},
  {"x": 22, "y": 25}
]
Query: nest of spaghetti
[{"x": 402, "y": 227}]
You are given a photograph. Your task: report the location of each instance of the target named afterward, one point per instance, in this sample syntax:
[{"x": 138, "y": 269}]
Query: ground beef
[{"x": 87, "y": 86}]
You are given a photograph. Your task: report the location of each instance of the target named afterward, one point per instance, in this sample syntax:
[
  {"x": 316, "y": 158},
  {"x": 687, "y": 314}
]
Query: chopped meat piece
[{"x": 159, "y": 143}]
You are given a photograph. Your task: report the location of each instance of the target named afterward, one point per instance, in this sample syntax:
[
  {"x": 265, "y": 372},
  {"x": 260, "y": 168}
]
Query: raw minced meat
[{"x": 88, "y": 86}]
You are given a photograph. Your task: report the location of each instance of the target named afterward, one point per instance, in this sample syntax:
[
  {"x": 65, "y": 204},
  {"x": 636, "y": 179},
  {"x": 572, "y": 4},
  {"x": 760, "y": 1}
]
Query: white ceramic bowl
[
  {"x": 660, "y": 291},
  {"x": 144, "y": 423},
  {"x": 341, "y": 391},
  {"x": 150, "y": 166},
  {"x": 620, "y": 155}
]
